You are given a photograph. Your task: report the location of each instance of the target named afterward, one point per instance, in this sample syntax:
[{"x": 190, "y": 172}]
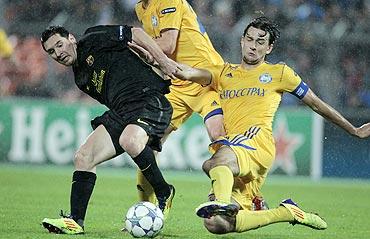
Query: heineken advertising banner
[{"x": 46, "y": 131}]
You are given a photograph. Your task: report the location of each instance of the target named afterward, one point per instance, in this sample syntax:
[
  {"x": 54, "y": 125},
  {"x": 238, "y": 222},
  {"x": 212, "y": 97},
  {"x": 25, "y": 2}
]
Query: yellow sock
[
  {"x": 222, "y": 183},
  {"x": 249, "y": 220},
  {"x": 145, "y": 190}
]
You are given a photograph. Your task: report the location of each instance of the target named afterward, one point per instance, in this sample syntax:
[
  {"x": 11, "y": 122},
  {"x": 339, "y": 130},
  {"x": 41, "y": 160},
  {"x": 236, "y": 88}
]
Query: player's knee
[
  {"x": 207, "y": 166},
  {"x": 132, "y": 145},
  {"x": 83, "y": 159},
  {"x": 212, "y": 162},
  {"x": 216, "y": 225}
]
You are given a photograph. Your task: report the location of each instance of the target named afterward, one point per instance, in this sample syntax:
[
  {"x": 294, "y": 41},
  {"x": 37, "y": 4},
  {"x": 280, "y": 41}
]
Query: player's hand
[
  {"x": 363, "y": 131},
  {"x": 169, "y": 67}
]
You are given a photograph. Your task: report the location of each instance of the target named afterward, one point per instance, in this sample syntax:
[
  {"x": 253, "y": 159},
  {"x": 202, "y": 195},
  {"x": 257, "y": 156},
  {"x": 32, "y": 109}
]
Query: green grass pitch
[{"x": 30, "y": 193}]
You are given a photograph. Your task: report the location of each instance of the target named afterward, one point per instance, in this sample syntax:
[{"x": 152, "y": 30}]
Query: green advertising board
[{"x": 46, "y": 131}]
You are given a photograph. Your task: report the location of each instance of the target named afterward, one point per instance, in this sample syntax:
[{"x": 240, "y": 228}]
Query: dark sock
[
  {"x": 148, "y": 166},
  {"x": 82, "y": 187}
]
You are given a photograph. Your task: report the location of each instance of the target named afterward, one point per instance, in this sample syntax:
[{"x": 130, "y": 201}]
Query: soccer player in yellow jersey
[
  {"x": 250, "y": 94},
  {"x": 177, "y": 30}
]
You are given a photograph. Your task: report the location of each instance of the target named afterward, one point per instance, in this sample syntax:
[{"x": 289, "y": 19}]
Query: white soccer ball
[{"x": 144, "y": 219}]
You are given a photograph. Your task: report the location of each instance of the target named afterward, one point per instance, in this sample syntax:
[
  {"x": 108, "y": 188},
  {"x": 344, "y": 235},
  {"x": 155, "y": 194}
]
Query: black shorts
[{"x": 153, "y": 116}]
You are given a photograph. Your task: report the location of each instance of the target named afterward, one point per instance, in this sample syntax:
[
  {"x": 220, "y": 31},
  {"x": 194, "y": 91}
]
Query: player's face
[
  {"x": 62, "y": 49},
  {"x": 255, "y": 46}
]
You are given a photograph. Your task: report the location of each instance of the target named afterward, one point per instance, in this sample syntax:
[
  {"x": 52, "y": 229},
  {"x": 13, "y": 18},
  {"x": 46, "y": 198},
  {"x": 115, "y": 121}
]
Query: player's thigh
[
  {"x": 167, "y": 133},
  {"x": 249, "y": 168},
  {"x": 249, "y": 155},
  {"x": 215, "y": 126},
  {"x": 97, "y": 148},
  {"x": 246, "y": 189},
  {"x": 181, "y": 110}
]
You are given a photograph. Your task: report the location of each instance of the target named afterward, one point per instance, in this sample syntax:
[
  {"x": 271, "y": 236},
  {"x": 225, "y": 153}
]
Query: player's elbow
[{"x": 169, "y": 49}]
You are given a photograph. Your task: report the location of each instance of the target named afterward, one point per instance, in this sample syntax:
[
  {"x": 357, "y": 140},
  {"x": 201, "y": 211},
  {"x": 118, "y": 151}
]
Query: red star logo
[{"x": 286, "y": 144}]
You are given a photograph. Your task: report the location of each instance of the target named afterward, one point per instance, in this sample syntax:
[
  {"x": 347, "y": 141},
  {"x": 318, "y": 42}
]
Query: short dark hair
[
  {"x": 266, "y": 25},
  {"x": 52, "y": 30}
]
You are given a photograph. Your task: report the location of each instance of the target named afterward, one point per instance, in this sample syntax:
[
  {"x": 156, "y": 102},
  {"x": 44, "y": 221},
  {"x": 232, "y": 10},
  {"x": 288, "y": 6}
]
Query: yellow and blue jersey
[
  {"x": 194, "y": 47},
  {"x": 249, "y": 100}
]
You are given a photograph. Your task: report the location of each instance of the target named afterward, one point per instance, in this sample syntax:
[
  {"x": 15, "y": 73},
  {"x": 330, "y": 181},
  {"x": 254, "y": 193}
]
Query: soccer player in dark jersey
[{"x": 109, "y": 71}]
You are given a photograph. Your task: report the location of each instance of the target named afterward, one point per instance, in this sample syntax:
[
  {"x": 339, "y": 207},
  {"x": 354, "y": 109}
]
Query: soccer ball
[{"x": 144, "y": 219}]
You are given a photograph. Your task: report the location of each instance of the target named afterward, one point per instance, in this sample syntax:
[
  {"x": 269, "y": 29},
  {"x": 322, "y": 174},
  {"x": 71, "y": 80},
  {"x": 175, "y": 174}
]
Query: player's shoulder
[
  {"x": 139, "y": 4},
  {"x": 139, "y": 7},
  {"x": 169, "y": 6},
  {"x": 277, "y": 68},
  {"x": 278, "y": 65},
  {"x": 230, "y": 66}
]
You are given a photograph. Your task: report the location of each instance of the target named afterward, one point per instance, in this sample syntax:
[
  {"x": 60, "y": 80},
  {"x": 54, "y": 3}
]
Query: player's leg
[
  {"x": 247, "y": 220},
  {"x": 134, "y": 141},
  {"x": 180, "y": 114},
  {"x": 144, "y": 189},
  {"x": 97, "y": 148},
  {"x": 221, "y": 168},
  {"x": 215, "y": 125},
  {"x": 207, "y": 103},
  {"x": 287, "y": 211},
  {"x": 258, "y": 202},
  {"x": 141, "y": 137}
]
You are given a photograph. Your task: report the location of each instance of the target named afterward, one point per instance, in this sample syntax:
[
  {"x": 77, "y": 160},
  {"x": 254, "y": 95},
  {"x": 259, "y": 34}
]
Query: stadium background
[{"x": 326, "y": 42}]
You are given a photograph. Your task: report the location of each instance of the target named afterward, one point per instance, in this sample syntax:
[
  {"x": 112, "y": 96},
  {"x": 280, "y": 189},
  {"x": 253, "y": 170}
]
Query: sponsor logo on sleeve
[{"x": 168, "y": 10}]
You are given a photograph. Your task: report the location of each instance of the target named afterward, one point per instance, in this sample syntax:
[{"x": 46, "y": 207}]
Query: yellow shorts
[
  {"x": 255, "y": 156},
  {"x": 192, "y": 98}
]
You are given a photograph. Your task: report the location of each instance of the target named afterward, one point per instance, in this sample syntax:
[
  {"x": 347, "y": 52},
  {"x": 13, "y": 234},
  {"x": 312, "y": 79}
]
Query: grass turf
[{"x": 30, "y": 193}]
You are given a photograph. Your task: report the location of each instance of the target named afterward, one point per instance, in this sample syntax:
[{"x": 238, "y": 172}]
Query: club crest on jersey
[
  {"x": 168, "y": 10},
  {"x": 90, "y": 60},
  {"x": 154, "y": 21},
  {"x": 265, "y": 78}
]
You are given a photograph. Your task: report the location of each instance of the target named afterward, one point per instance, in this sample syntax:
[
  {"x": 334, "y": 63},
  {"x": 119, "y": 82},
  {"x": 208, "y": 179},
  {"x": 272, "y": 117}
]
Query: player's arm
[
  {"x": 200, "y": 76},
  {"x": 328, "y": 112},
  {"x": 140, "y": 38},
  {"x": 168, "y": 41}
]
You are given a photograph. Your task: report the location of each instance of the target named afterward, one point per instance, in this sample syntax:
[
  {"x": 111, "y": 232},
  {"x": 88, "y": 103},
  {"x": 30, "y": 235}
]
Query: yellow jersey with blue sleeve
[
  {"x": 194, "y": 47},
  {"x": 249, "y": 100}
]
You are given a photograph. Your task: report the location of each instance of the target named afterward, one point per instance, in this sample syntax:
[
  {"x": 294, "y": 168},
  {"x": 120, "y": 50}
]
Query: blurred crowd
[{"x": 325, "y": 41}]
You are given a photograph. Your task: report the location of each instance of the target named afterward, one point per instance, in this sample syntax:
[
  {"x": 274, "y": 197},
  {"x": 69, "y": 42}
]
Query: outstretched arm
[
  {"x": 168, "y": 41},
  {"x": 200, "y": 76},
  {"x": 143, "y": 40},
  {"x": 328, "y": 112}
]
